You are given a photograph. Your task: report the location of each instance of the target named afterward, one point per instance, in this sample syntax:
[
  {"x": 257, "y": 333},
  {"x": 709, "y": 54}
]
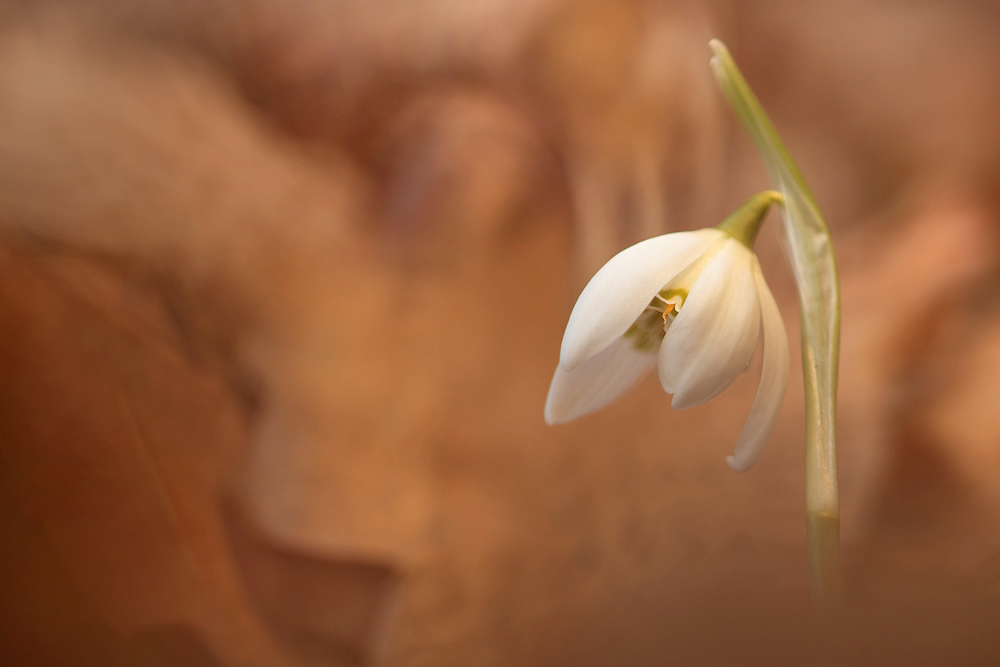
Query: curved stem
[{"x": 810, "y": 251}]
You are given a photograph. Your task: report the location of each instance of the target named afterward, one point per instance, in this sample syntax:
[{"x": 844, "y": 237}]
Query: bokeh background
[{"x": 282, "y": 286}]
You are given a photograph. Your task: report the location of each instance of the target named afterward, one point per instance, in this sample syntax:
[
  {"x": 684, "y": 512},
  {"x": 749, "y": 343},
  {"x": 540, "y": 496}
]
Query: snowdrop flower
[{"x": 692, "y": 304}]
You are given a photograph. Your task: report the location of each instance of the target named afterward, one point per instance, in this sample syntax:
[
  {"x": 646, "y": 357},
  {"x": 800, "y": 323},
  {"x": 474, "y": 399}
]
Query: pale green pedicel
[
  {"x": 745, "y": 222},
  {"x": 810, "y": 251}
]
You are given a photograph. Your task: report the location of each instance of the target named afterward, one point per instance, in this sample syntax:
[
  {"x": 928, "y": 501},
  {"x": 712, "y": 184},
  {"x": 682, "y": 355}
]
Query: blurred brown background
[{"x": 282, "y": 285}]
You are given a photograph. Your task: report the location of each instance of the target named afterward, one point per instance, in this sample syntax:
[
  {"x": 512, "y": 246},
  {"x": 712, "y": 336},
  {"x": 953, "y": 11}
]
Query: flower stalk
[
  {"x": 744, "y": 223},
  {"x": 810, "y": 251}
]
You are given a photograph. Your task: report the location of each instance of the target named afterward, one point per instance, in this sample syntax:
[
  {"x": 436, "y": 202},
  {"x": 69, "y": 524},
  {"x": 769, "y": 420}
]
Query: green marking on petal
[{"x": 646, "y": 333}]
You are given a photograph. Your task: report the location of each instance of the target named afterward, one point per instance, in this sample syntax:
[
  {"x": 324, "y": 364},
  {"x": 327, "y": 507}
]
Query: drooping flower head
[{"x": 693, "y": 305}]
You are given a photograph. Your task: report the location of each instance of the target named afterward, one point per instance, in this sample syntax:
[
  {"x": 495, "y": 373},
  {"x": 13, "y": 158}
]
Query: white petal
[
  {"x": 714, "y": 335},
  {"x": 773, "y": 381},
  {"x": 622, "y": 288},
  {"x": 596, "y": 382}
]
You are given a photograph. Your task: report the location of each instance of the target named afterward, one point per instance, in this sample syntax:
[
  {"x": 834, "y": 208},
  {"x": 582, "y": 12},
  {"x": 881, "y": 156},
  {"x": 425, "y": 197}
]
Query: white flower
[{"x": 690, "y": 303}]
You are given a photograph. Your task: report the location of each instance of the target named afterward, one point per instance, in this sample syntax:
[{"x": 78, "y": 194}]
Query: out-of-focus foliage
[{"x": 282, "y": 285}]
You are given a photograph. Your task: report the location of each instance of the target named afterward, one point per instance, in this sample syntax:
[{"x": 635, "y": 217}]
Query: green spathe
[{"x": 810, "y": 252}]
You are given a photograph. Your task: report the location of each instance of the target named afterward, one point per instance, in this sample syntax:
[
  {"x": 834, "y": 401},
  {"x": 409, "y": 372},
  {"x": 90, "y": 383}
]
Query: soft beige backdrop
[{"x": 283, "y": 285}]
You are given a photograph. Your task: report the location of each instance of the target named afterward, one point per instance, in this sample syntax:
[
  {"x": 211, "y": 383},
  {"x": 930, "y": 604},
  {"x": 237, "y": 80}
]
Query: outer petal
[
  {"x": 621, "y": 290},
  {"x": 773, "y": 381},
  {"x": 596, "y": 382},
  {"x": 713, "y": 337}
]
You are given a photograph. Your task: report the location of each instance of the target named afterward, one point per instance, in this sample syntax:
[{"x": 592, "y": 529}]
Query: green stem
[
  {"x": 810, "y": 252},
  {"x": 744, "y": 223}
]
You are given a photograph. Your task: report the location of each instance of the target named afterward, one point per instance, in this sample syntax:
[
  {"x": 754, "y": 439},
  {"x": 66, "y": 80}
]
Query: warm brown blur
[{"x": 282, "y": 286}]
